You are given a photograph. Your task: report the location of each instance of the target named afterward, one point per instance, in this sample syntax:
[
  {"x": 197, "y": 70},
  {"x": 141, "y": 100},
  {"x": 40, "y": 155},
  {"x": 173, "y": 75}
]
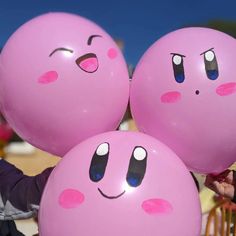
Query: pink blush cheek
[
  {"x": 112, "y": 53},
  {"x": 70, "y": 198},
  {"x": 157, "y": 206},
  {"x": 48, "y": 77},
  {"x": 226, "y": 89},
  {"x": 171, "y": 97}
]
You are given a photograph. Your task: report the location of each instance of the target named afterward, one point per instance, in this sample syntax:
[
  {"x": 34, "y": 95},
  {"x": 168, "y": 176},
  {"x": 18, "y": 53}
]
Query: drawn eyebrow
[
  {"x": 178, "y": 54},
  {"x": 207, "y": 51},
  {"x": 91, "y": 38},
  {"x": 60, "y": 49}
]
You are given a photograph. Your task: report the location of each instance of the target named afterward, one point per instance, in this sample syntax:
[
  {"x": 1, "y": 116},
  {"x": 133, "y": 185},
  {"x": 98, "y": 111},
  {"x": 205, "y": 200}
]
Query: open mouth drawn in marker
[
  {"x": 110, "y": 197},
  {"x": 88, "y": 62}
]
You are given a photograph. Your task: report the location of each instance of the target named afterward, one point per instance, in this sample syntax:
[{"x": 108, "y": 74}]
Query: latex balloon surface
[
  {"x": 63, "y": 79},
  {"x": 183, "y": 93},
  {"x": 120, "y": 183}
]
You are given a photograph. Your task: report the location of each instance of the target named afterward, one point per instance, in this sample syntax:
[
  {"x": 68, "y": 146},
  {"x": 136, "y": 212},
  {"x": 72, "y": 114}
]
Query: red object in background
[{"x": 6, "y": 132}]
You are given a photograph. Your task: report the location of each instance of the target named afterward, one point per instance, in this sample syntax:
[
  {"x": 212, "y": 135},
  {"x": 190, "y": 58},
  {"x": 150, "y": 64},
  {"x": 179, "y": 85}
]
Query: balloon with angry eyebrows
[
  {"x": 183, "y": 93},
  {"x": 62, "y": 80},
  {"x": 120, "y": 183}
]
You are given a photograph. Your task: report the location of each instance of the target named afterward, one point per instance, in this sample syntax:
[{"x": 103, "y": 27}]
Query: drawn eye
[
  {"x": 178, "y": 67},
  {"x": 211, "y": 65},
  {"x": 137, "y": 167},
  {"x": 66, "y": 51},
  {"x": 99, "y": 162}
]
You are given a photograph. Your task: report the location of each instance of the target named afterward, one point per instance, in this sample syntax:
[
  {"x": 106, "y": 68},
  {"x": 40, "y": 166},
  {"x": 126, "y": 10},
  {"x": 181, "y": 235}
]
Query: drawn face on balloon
[
  {"x": 185, "y": 86},
  {"x": 120, "y": 183},
  {"x": 59, "y": 73}
]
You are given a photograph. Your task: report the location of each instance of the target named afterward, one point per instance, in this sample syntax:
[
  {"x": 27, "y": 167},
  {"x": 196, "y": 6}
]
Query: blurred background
[{"x": 135, "y": 25}]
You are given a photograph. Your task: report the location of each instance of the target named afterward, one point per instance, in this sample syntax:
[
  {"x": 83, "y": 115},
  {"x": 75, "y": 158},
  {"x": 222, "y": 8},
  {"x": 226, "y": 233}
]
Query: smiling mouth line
[{"x": 110, "y": 197}]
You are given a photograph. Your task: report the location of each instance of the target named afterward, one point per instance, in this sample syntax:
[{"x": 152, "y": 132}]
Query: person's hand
[{"x": 223, "y": 183}]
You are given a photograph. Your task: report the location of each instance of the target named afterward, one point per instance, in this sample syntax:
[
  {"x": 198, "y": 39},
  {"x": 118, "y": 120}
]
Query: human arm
[{"x": 20, "y": 194}]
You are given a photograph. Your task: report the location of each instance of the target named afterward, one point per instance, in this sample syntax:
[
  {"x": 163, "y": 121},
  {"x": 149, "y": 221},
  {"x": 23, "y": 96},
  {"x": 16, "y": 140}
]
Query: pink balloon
[
  {"x": 120, "y": 183},
  {"x": 63, "y": 79},
  {"x": 183, "y": 93}
]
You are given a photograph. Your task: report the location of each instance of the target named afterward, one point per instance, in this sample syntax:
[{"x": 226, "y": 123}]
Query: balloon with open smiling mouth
[{"x": 64, "y": 71}]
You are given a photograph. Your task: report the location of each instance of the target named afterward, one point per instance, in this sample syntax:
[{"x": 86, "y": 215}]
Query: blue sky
[{"x": 139, "y": 23}]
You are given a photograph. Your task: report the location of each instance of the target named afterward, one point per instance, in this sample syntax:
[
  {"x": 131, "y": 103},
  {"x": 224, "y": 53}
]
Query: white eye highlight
[
  {"x": 102, "y": 149},
  {"x": 209, "y": 55},
  {"x": 177, "y": 59},
  {"x": 140, "y": 153}
]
